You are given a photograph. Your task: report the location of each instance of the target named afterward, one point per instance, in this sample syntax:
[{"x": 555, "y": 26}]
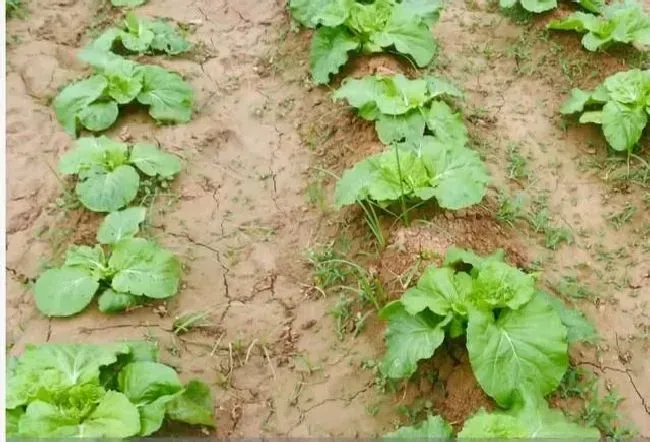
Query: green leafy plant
[
  {"x": 128, "y": 3},
  {"x": 516, "y": 338},
  {"x": 117, "y": 390},
  {"x": 107, "y": 170},
  {"x": 140, "y": 35},
  {"x": 530, "y": 417},
  {"x": 620, "y": 22},
  {"x": 405, "y": 109},
  {"x": 452, "y": 174},
  {"x": 621, "y": 105},
  {"x": 136, "y": 269},
  {"x": 536, "y": 6},
  {"x": 343, "y": 26},
  {"x": 93, "y": 103}
]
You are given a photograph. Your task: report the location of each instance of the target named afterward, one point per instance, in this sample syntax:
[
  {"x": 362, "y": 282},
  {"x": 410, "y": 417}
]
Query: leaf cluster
[
  {"x": 621, "y": 105},
  {"x": 619, "y": 22},
  {"x": 343, "y": 26},
  {"x": 135, "y": 269},
  {"x": 117, "y": 390},
  {"x": 93, "y": 103},
  {"x": 140, "y": 35},
  {"x": 428, "y": 156},
  {"x": 405, "y": 109},
  {"x": 530, "y": 417},
  {"x": 517, "y": 339},
  {"x": 107, "y": 170}
]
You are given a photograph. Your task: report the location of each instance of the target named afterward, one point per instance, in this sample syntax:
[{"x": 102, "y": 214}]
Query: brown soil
[{"x": 241, "y": 220}]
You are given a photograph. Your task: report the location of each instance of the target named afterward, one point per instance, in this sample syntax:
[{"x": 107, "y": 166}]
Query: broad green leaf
[
  {"x": 167, "y": 39},
  {"x": 530, "y": 419},
  {"x": 409, "y": 37},
  {"x": 93, "y": 155},
  {"x": 539, "y": 5},
  {"x": 409, "y": 339},
  {"x": 150, "y": 386},
  {"x": 458, "y": 176},
  {"x": 493, "y": 425},
  {"x": 630, "y": 87},
  {"x": 152, "y": 161},
  {"x": 122, "y": 224},
  {"x": 329, "y": 52},
  {"x": 143, "y": 268},
  {"x": 138, "y": 35},
  {"x": 114, "y": 417},
  {"x": 369, "y": 18},
  {"x": 447, "y": 126},
  {"x": 576, "y": 101},
  {"x": 499, "y": 285},
  {"x": 438, "y": 87},
  {"x": 194, "y": 405},
  {"x": 74, "y": 99},
  {"x": 440, "y": 290},
  {"x": 110, "y": 191},
  {"x": 578, "y": 327},
  {"x": 111, "y": 301},
  {"x": 593, "y": 42},
  {"x": 455, "y": 256},
  {"x": 394, "y": 128},
  {"x": 578, "y": 21},
  {"x": 329, "y": 13},
  {"x": 12, "y": 418},
  {"x": 525, "y": 348},
  {"x": 106, "y": 40},
  {"x": 426, "y": 10},
  {"x": 507, "y": 3},
  {"x": 595, "y": 117},
  {"x": 623, "y": 125},
  {"x": 397, "y": 94},
  {"x": 152, "y": 414},
  {"x": 99, "y": 116},
  {"x": 89, "y": 259},
  {"x": 128, "y": 3},
  {"x": 64, "y": 291},
  {"x": 170, "y": 98},
  {"x": 360, "y": 93},
  {"x": 591, "y": 5},
  {"x": 144, "y": 382},
  {"x": 434, "y": 427}
]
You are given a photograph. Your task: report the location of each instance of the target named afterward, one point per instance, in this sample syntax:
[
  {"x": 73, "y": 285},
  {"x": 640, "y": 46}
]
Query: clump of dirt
[{"x": 427, "y": 243}]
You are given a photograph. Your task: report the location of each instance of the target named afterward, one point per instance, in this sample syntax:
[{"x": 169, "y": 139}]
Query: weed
[
  {"x": 189, "y": 320},
  {"x": 328, "y": 265},
  {"x": 517, "y": 14},
  {"x": 315, "y": 193},
  {"x": 510, "y": 208},
  {"x": 14, "y": 8},
  {"x": 382, "y": 383},
  {"x": 569, "y": 287},
  {"x": 417, "y": 411},
  {"x": 554, "y": 235},
  {"x": 618, "y": 219},
  {"x": 517, "y": 166},
  {"x": 372, "y": 220},
  {"x": 342, "y": 313}
]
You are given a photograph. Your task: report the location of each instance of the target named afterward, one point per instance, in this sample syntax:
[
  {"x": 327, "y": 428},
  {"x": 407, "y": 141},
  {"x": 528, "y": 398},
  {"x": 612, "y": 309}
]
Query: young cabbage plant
[
  {"x": 621, "y": 105},
  {"x": 529, "y": 417},
  {"x": 107, "y": 170},
  {"x": 343, "y": 26},
  {"x": 141, "y": 35},
  {"x": 93, "y": 103},
  {"x": 619, "y": 22},
  {"x": 448, "y": 172},
  {"x": 136, "y": 269},
  {"x": 405, "y": 109},
  {"x": 118, "y": 390},
  {"x": 515, "y": 338}
]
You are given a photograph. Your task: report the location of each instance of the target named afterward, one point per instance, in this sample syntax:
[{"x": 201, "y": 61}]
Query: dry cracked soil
[{"x": 252, "y": 198}]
